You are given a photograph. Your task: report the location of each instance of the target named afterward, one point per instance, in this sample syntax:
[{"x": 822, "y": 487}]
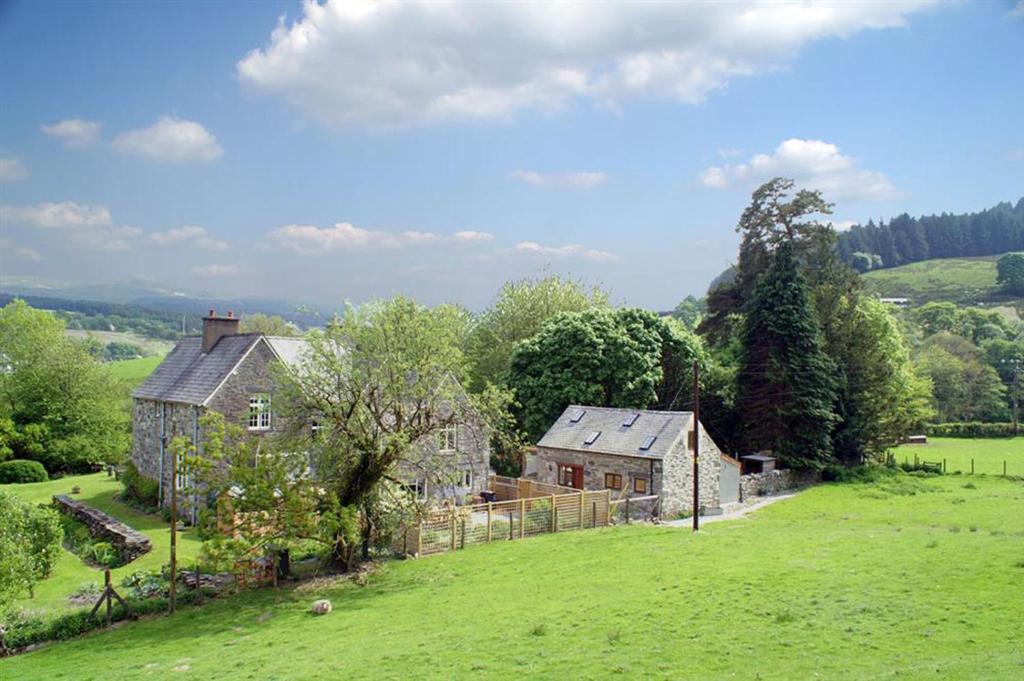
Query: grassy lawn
[
  {"x": 988, "y": 455},
  {"x": 907, "y": 578},
  {"x": 134, "y": 371},
  {"x": 98, "y": 491}
]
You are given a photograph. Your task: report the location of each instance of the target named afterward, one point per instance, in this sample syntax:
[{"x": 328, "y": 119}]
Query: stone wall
[
  {"x": 129, "y": 543},
  {"x": 775, "y": 482},
  {"x": 443, "y": 470},
  {"x": 595, "y": 465},
  {"x": 678, "y": 488}
]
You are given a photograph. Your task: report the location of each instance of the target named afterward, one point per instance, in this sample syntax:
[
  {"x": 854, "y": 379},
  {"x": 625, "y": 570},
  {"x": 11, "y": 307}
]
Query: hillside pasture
[
  {"x": 153, "y": 346},
  {"x": 134, "y": 371},
  {"x": 909, "y": 577},
  {"x": 961, "y": 280}
]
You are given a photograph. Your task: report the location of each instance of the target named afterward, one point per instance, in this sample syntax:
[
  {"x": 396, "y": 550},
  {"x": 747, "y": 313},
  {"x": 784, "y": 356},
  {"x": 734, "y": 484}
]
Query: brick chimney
[{"x": 215, "y": 328}]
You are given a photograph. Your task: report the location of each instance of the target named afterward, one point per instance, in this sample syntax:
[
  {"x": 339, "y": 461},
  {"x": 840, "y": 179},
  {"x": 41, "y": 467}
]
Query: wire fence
[{"x": 964, "y": 465}]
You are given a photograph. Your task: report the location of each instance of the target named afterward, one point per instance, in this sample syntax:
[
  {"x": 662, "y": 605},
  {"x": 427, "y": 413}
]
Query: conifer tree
[{"x": 785, "y": 381}]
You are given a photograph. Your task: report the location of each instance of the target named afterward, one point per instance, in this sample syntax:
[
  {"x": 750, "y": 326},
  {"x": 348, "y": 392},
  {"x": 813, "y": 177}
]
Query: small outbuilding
[
  {"x": 757, "y": 463},
  {"x": 633, "y": 453}
]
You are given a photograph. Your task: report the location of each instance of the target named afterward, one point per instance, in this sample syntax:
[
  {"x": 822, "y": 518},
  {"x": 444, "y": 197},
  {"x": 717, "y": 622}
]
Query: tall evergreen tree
[{"x": 785, "y": 379}]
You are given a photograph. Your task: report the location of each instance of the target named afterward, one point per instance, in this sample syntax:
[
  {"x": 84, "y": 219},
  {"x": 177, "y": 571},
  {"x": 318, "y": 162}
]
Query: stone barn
[{"x": 635, "y": 452}]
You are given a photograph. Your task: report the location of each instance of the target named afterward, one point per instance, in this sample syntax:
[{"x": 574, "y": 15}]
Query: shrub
[
  {"x": 21, "y": 471},
  {"x": 857, "y": 474},
  {"x": 138, "y": 488},
  {"x": 969, "y": 429},
  {"x": 103, "y": 553}
]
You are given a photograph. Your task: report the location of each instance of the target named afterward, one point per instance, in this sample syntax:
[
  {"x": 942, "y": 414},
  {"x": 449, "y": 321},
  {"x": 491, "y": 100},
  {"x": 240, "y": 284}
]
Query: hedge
[
  {"x": 31, "y": 631},
  {"x": 22, "y": 470},
  {"x": 970, "y": 429}
]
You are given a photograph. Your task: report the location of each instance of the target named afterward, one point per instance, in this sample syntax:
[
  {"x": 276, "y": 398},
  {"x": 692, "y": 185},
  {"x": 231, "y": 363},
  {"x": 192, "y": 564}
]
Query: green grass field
[
  {"x": 134, "y": 371},
  {"x": 906, "y": 578},
  {"x": 988, "y": 455},
  {"x": 963, "y": 280},
  {"x": 98, "y": 491}
]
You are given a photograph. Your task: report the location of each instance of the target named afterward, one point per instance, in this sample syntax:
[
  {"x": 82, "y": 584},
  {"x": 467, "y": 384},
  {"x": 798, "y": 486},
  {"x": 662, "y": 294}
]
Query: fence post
[
  {"x": 972, "y": 465},
  {"x": 419, "y": 540},
  {"x": 490, "y": 511},
  {"x": 451, "y": 531},
  {"x": 463, "y": 533},
  {"x": 627, "y": 510},
  {"x": 593, "y": 514},
  {"x": 608, "y": 507},
  {"x": 554, "y": 518},
  {"x": 581, "y": 509},
  {"x": 522, "y": 518},
  {"x": 106, "y": 590},
  {"x": 943, "y": 465},
  {"x": 511, "y": 536},
  {"x": 1004, "y": 468}
]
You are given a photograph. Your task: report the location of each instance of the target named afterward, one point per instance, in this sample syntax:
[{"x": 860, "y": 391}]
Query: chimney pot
[
  {"x": 212, "y": 312},
  {"x": 215, "y": 328},
  {"x": 230, "y": 314}
]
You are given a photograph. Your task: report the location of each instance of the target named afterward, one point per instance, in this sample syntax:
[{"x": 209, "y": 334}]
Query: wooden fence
[
  {"x": 508, "y": 520},
  {"x": 506, "y": 489}
]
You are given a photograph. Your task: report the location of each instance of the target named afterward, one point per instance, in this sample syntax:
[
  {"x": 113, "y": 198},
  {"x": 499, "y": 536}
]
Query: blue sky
[{"x": 363, "y": 150}]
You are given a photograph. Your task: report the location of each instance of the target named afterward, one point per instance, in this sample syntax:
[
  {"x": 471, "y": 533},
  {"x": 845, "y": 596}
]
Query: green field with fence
[{"x": 965, "y": 455}]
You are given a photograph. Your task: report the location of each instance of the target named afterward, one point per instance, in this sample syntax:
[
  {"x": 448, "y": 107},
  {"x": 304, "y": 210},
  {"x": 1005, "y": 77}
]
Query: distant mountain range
[{"x": 124, "y": 297}]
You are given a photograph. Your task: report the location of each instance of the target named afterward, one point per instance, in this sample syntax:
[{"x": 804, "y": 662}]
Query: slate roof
[
  {"x": 188, "y": 376},
  {"x": 291, "y": 351},
  {"x": 615, "y": 438}
]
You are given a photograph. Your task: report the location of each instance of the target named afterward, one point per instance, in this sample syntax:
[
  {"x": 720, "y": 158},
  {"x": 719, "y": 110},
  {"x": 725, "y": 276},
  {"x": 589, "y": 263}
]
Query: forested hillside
[{"x": 905, "y": 239}]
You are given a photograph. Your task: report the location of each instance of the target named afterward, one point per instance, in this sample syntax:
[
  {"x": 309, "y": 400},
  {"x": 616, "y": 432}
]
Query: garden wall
[
  {"x": 775, "y": 482},
  {"x": 129, "y": 543}
]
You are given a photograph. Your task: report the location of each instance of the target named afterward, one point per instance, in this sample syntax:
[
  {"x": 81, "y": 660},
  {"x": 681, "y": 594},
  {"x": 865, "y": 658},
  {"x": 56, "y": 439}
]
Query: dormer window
[
  {"x": 259, "y": 411},
  {"x": 592, "y": 438},
  {"x": 630, "y": 420},
  {"x": 648, "y": 441},
  {"x": 577, "y": 415}
]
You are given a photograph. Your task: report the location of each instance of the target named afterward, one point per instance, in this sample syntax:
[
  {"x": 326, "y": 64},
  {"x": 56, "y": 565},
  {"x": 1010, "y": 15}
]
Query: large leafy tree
[
  {"x": 67, "y": 411},
  {"x": 518, "y": 312},
  {"x": 880, "y": 395},
  {"x": 621, "y": 358},
  {"x": 965, "y": 388},
  {"x": 30, "y": 544},
  {"x": 269, "y": 325},
  {"x": 786, "y": 388},
  {"x": 1010, "y": 272},
  {"x": 375, "y": 382}
]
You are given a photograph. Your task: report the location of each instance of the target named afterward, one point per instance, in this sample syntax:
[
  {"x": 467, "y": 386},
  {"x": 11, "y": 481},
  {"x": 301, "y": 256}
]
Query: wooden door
[{"x": 570, "y": 475}]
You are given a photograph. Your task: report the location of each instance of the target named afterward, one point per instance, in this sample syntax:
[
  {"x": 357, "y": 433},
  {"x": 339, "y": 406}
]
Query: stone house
[
  {"x": 232, "y": 373},
  {"x": 635, "y": 452}
]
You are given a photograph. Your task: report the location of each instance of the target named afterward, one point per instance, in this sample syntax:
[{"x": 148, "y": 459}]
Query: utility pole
[
  {"x": 696, "y": 446},
  {"x": 174, "y": 529}
]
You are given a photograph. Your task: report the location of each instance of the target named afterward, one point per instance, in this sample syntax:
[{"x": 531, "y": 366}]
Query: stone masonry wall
[
  {"x": 775, "y": 482},
  {"x": 595, "y": 465},
  {"x": 443, "y": 470},
  {"x": 179, "y": 419},
  {"x": 129, "y": 543},
  {"x": 677, "y": 495}
]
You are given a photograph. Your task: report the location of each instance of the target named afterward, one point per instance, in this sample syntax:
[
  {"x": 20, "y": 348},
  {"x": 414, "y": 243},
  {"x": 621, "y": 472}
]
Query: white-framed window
[
  {"x": 418, "y": 488},
  {"x": 182, "y": 478},
  {"x": 448, "y": 439},
  {"x": 259, "y": 411}
]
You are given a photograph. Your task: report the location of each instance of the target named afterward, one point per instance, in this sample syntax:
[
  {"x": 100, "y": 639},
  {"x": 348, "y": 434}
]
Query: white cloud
[
  {"x": 576, "y": 179},
  {"x": 63, "y": 214},
  {"x": 191, "y": 234},
  {"x": 77, "y": 133},
  {"x": 385, "y": 64},
  {"x": 11, "y": 168},
  {"x": 843, "y": 225},
  {"x": 23, "y": 252},
  {"x": 216, "y": 270},
  {"x": 729, "y": 153},
  {"x": 1018, "y": 10},
  {"x": 468, "y": 236},
  {"x": 566, "y": 251},
  {"x": 172, "y": 140},
  {"x": 1015, "y": 154},
  {"x": 813, "y": 164},
  {"x": 343, "y": 236},
  {"x": 81, "y": 226}
]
